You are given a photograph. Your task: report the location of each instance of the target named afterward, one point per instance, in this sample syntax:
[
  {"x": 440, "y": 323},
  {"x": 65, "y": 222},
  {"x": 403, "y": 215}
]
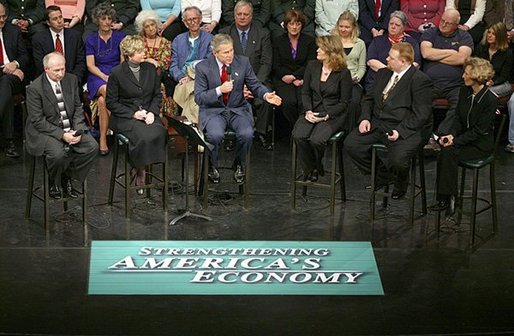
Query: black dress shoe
[
  {"x": 10, "y": 150},
  {"x": 55, "y": 192},
  {"x": 314, "y": 176},
  {"x": 450, "y": 210},
  {"x": 230, "y": 145},
  {"x": 214, "y": 175},
  {"x": 68, "y": 188},
  {"x": 239, "y": 174},
  {"x": 398, "y": 192}
]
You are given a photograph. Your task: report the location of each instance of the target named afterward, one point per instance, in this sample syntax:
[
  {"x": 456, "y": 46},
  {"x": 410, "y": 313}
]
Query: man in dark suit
[
  {"x": 13, "y": 59},
  {"x": 55, "y": 126},
  {"x": 261, "y": 12},
  {"x": 374, "y": 17},
  {"x": 397, "y": 112},
  {"x": 26, "y": 14},
  {"x": 58, "y": 38},
  {"x": 219, "y": 93},
  {"x": 253, "y": 41}
]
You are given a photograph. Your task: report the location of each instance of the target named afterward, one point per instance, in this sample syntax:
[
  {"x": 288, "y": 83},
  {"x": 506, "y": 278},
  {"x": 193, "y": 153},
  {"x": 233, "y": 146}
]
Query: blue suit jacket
[
  {"x": 207, "y": 79},
  {"x": 180, "y": 49}
]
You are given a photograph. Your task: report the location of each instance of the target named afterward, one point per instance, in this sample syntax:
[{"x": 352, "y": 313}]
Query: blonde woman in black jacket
[{"x": 472, "y": 134}]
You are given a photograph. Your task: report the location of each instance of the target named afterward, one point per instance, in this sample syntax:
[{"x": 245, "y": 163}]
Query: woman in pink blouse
[
  {"x": 422, "y": 14},
  {"x": 72, "y": 11}
]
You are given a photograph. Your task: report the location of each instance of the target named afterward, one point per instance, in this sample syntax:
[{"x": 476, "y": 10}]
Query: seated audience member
[
  {"x": 471, "y": 15},
  {"x": 397, "y": 113},
  {"x": 379, "y": 48},
  {"x": 186, "y": 50},
  {"x": 261, "y": 12},
  {"x": 253, "y": 41},
  {"x": 279, "y": 10},
  {"x": 28, "y": 16},
  {"x": 158, "y": 53},
  {"x": 291, "y": 53},
  {"x": 495, "y": 48},
  {"x": 354, "y": 48},
  {"x": 72, "y": 12},
  {"x": 126, "y": 11},
  {"x": 328, "y": 12},
  {"x": 13, "y": 59},
  {"x": 472, "y": 133},
  {"x": 222, "y": 102},
  {"x": 444, "y": 50},
  {"x": 326, "y": 93},
  {"x": 210, "y": 13},
  {"x": 134, "y": 98},
  {"x": 64, "y": 40},
  {"x": 374, "y": 17},
  {"x": 102, "y": 54},
  {"x": 497, "y": 11},
  {"x": 421, "y": 15},
  {"x": 56, "y": 129},
  {"x": 169, "y": 16}
]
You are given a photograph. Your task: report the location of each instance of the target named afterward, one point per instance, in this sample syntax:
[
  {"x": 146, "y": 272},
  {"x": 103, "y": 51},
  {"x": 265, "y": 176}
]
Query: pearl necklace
[{"x": 325, "y": 72}]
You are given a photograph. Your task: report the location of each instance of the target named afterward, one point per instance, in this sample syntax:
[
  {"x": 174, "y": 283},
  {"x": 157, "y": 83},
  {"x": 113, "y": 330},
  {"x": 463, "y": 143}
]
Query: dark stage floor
[{"x": 431, "y": 285}]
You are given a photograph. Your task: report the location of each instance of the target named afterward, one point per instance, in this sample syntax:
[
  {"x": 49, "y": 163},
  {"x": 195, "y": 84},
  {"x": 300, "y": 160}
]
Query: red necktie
[
  {"x": 377, "y": 9},
  {"x": 1, "y": 53},
  {"x": 58, "y": 44},
  {"x": 224, "y": 78}
]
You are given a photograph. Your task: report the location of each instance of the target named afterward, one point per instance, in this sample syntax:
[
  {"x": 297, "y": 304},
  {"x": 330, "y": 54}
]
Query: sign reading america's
[{"x": 233, "y": 268}]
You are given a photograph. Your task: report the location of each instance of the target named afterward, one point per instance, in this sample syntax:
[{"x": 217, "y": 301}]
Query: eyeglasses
[
  {"x": 193, "y": 20},
  {"x": 448, "y": 23}
]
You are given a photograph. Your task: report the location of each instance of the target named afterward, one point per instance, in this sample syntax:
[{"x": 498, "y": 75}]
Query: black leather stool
[
  {"x": 44, "y": 196},
  {"x": 336, "y": 143},
  {"x": 415, "y": 190},
  {"x": 125, "y": 180}
]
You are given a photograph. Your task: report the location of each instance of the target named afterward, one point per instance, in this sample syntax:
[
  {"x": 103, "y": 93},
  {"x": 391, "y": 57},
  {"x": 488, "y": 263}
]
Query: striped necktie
[
  {"x": 395, "y": 81},
  {"x": 65, "y": 121}
]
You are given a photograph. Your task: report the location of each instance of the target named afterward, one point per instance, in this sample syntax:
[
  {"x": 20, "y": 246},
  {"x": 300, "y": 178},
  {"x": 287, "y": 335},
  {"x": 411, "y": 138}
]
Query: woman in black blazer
[
  {"x": 472, "y": 134},
  {"x": 291, "y": 52},
  {"x": 134, "y": 99},
  {"x": 326, "y": 93}
]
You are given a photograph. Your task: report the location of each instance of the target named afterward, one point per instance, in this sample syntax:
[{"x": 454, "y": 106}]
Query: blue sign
[{"x": 233, "y": 268}]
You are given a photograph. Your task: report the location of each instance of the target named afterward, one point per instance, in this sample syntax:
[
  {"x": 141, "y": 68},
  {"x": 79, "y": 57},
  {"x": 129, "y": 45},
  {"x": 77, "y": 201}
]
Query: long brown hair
[{"x": 333, "y": 46}]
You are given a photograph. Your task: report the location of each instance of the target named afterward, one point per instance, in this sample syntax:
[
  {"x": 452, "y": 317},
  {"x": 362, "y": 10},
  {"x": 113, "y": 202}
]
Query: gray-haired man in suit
[{"x": 55, "y": 126}]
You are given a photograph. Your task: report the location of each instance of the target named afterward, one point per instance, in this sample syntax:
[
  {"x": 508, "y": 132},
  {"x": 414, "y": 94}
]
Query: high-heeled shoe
[{"x": 140, "y": 180}]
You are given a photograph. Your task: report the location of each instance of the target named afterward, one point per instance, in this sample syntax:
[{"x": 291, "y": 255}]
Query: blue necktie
[{"x": 244, "y": 41}]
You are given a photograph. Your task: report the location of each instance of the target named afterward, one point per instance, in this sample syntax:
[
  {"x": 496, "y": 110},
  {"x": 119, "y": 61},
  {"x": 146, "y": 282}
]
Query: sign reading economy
[{"x": 233, "y": 268}]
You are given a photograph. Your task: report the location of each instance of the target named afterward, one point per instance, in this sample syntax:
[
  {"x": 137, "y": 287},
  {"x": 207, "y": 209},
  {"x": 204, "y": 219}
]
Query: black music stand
[{"x": 190, "y": 134}]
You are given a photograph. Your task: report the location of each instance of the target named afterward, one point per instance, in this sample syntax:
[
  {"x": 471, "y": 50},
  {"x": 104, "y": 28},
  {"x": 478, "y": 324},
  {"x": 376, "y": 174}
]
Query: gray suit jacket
[
  {"x": 43, "y": 113},
  {"x": 207, "y": 79}
]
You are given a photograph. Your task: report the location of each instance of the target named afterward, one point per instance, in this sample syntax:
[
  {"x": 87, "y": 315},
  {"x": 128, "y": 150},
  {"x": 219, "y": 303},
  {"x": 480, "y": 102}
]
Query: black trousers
[
  {"x": 394, "y": 163},
  {"x": 448, "y": 169},
  {"x": 74, "y": 162},
  {"x": 9, "y": 85},
  {"x": 311, "y": 141}
]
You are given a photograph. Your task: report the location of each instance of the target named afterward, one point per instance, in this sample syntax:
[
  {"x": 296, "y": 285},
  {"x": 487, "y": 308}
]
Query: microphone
[
  {"x": 229, "y": 72},
  {"x": 445, "y": 140},
  {"x": 390, "y": 133}
]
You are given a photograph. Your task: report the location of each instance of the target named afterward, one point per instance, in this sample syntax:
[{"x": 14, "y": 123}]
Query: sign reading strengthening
[{"x": 233, "y": 268}]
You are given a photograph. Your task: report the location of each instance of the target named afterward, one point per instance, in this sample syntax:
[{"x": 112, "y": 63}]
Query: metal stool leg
[
  {"x": 412, "y": 183},
  {"x": 293, "y": 176},
  {"x": 492, "y": 181},
  {"x": 373, "y": 181},
  {"x": 474, "y": 196},
  {"x": 342, "y": 184},
  {"x": 333, "y": 178},
  {"x": 46, "y": 196},
  {"x": 461, "y": 195},
  {"x": 84, "y": 212},
  {"x": 421, "y": 163},
  {"x": 30, "y": 187},
  {"x": 114, "y": 169}
]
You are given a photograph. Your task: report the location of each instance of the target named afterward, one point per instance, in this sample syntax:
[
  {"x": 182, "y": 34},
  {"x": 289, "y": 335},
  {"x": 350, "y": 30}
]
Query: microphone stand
[{"x": 189, "y": 133}]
